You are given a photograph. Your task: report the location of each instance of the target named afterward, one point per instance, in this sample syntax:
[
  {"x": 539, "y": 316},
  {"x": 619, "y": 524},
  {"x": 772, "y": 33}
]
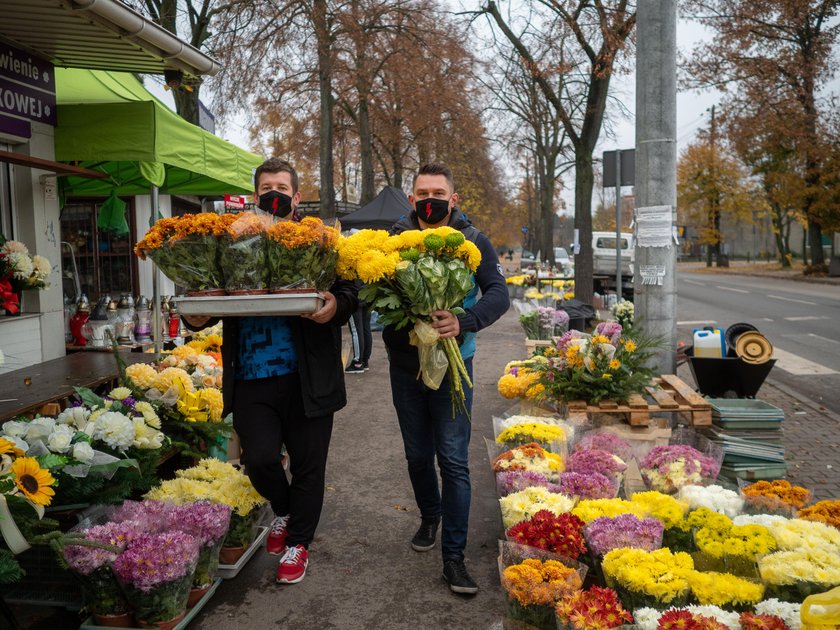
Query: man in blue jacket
[
  {"x": 283, "y": 380},
  {"x": 426, "y": 419}
]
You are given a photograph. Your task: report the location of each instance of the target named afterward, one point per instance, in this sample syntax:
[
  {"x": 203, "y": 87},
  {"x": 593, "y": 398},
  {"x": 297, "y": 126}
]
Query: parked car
[
  {"x": 563, "y": 261},
  {"x": 527, "y": 261}
]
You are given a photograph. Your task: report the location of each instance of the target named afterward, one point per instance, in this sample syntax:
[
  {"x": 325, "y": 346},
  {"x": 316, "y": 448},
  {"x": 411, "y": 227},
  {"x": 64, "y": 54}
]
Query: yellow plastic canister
[{"x": 826, "y": 611}]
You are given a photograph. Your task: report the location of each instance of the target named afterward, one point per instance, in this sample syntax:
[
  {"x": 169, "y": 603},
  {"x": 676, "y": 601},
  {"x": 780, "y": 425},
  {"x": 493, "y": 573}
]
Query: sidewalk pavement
[{"x": 363, "y": 572}]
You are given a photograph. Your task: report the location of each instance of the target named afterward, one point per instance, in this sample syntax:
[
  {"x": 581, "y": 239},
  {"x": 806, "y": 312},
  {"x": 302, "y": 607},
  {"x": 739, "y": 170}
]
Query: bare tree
[{"x": 593, "y": 34}]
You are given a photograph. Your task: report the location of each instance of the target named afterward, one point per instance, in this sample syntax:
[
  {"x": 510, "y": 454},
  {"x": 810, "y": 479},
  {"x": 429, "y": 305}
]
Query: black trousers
[
  {"x": 268, "y": 413},
  {"x": 360, "y": 334}
]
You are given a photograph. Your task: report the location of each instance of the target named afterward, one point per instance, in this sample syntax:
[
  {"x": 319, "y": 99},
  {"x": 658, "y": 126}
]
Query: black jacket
[
  {"x": 318, "y": 349},
  {"x": 494, "y": 301}
]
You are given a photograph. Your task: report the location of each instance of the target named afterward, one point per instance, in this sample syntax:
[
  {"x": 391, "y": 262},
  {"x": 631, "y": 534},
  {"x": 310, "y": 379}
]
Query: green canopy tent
[{"x": 107, "y": 121}]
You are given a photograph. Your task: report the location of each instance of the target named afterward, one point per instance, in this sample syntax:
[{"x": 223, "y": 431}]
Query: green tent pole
[{"x": 156, "y": 323}]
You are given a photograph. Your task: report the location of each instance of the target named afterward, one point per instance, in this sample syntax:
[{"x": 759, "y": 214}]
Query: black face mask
[
  {"x": 431, "y": 210},
  {"x": 276, "y": 203}
]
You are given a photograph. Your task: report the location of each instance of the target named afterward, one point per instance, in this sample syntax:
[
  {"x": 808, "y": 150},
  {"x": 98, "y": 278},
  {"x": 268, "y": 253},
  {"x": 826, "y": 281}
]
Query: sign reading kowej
[{"x": 27, "y": 91}]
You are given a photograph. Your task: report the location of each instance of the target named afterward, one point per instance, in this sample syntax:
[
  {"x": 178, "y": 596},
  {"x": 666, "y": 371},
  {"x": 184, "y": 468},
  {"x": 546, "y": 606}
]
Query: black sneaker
[
  {"x": 424, "y": 539},
  {"x": 455, "y": 574},
  {"x": 355, "y": 367}
]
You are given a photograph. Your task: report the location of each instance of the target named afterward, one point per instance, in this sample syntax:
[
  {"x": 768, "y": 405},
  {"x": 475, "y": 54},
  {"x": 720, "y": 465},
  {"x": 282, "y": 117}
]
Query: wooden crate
[
  {"x": 667, "y": 394},
  {"x": 532, "y": 344}
]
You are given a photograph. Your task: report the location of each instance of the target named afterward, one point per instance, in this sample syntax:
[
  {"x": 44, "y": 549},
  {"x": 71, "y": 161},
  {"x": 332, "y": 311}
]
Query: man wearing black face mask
[
  {"x": 283, "y": 381},
  {"x": 428, "y": 427}
]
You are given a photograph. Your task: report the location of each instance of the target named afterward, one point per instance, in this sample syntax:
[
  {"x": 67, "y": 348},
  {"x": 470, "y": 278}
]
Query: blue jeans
[{"x": 429, "y": 430}]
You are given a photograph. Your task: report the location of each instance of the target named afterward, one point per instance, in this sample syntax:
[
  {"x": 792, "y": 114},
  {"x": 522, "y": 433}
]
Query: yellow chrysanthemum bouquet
[{"x": 409, "y": 276}]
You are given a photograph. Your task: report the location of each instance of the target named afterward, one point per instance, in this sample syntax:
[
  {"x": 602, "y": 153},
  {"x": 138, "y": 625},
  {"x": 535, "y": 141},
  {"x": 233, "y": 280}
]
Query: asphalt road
[{"x": 801, "y": 320}]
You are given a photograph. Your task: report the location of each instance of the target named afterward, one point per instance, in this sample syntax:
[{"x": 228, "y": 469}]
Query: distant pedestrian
[
  {"x": 360, "y": 336},
  {"x": 510, "y": 254},
  {"x": 429, "y": 429}
]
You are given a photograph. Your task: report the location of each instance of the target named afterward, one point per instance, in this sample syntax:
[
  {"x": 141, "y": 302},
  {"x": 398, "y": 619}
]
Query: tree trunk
[
  {"x": 366, "y": 150},
  {"x": 547, "y": 211},
  {"x": 584, "y": 182},
  {"x": 186, "y": 104},
  {"x": 322, "y": 36},
  {"x": 778, "y": 235}
]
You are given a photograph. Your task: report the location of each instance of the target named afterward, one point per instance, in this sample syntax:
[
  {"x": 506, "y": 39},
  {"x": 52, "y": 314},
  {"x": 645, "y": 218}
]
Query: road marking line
[
  {"x": 699, "y": 284},
  {"x": 779, "y": 297},
  {"x": 731, "y": 289},
  {"x": 821, "y": 338},
  {"x": 799, "y": 366},
  {"x": 766, "y": 319},
  {"x": 804, "y": 318},
  {"x": 696, "y": 323}
]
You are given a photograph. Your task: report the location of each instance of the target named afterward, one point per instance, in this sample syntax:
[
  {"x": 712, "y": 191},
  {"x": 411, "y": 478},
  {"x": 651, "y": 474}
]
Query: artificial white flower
[
  {"x": 22, "y": 265},
  {"x": 60, "y": 439},
  {"x": 787, "y": 611},
  {"x": 77, "y": 416},
  {"x": 13, "y": 428},
  {"x": 83, "y": 452},
  {"x": 120, "y": 393},
  {"x": 39, "y": 428},
  {"x": 42, "y": 266},
  {"x": 18, "y": 441},
  {"x": 13, "y": 247},
  {"x": 145, "y": 436},
  {"x": 115, "y": 429},
  {"x": 715, "y": 498}
]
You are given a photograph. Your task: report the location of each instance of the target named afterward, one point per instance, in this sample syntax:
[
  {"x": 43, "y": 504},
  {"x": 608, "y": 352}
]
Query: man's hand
[
  {"x": 327, "y": 311},
  {"x": 196, "y": 321},
  {"x": 446, "y": 324}
]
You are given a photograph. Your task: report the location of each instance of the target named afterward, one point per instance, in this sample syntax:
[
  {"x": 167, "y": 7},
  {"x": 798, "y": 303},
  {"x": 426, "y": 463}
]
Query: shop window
[{"x": 105, "y": 263}]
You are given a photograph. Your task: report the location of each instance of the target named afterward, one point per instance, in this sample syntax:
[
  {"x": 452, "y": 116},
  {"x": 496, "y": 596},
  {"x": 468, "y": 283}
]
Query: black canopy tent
[{"x": 389, "y": 206}]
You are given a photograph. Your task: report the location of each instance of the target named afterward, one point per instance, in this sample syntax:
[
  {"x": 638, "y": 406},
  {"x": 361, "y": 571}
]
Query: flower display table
[
  {"x": 667, "y": 394},
  {"x": 229, "y": 571}
]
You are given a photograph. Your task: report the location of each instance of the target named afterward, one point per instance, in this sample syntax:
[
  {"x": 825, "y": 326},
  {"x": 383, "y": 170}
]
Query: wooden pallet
[{"x": 667, "y": 394}]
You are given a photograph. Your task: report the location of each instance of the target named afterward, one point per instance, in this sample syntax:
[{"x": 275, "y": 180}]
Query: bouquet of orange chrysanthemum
[
  {"x": 243, "y": 254},
  {"x": 186, "y": 249},
  {"x": 302, "y": 254},
  {"x": 408, "y": 277},
  {"x": 593, "y": 609}
]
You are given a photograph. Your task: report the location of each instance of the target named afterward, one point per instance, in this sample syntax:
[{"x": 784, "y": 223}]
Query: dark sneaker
[
  {"x": 455, "y": 574},
  {"x": 275, "y": 543},
  {"x": 355, "y": 367},
  {"x": 424, "y": 539},
  {"x": 293, "y": 565}
]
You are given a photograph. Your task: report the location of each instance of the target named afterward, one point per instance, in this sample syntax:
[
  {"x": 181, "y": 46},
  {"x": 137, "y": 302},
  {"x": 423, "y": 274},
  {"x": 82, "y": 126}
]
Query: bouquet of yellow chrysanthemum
[
  {"x": 301, "y": 254},
  {"x": 408, "y": 277},
  {"x": 186, "y": 249}
]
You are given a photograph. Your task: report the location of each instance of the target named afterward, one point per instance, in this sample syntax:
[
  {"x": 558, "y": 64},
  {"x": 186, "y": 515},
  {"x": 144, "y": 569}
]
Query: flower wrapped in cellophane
[
  {"x": 243, "y": 253},
  {"x": 409, "y": 276},
  {"x": 186, "y": 249},
  {"x": 218, "y": 482},
  {"x": 301, "y": 254},
  {"x": 534, "y": 580}
]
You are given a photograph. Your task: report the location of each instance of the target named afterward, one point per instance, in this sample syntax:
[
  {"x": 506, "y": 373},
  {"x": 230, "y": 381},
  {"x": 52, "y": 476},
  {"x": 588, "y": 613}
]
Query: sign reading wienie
[{"x": 27, "y": 86}]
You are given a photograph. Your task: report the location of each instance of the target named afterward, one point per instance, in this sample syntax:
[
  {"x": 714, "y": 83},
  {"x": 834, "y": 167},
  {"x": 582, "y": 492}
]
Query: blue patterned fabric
[{"x": 266, "y": 348}]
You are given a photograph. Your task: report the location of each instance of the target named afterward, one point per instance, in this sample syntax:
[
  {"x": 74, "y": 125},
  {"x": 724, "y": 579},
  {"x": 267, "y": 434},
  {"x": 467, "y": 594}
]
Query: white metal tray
[
  {"x": 228, "y": 571},
  {"x": 296, "y": 303}
]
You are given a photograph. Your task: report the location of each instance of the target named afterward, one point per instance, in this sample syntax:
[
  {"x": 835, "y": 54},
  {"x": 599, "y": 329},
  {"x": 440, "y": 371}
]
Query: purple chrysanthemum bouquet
[
  {"x": 596, "y": 461},
  {"x": 668, "y": 468},
  {"x": 510, "y": 481},
  {"x": 610, "y": 330},
  {"x": 605, "y": 441},
  {"x": 208, "y": 523},
  {"x": 90, "y": 553},
  {"x": 627, "y": 530},
  {"x": 156, "y": 571},
  {"x": 151, "y": 516},
  {"x": 588, "y": 486}
]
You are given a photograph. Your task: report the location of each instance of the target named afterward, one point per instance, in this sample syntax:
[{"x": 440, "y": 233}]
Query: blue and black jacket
[{"x": 480, "y": 312}]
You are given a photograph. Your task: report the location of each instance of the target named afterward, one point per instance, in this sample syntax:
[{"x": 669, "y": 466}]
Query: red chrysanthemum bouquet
[
  {"x": 561, "y": 534},
  {"x": 593, "y": 609}
]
